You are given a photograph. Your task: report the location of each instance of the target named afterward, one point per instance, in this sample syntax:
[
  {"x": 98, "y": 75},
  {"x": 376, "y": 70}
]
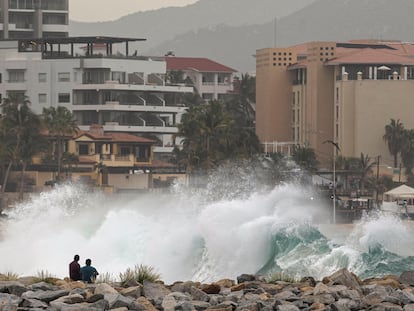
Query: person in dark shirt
[
  {"x": 74, "y": 269},
  {"x": 88, "y": 272}
]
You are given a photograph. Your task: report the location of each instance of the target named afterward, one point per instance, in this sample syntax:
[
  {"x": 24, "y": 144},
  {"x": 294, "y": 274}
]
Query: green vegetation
[
  {"x": 218, "y": 131},
  {"x": 138, "y": 274},
  {"x": 45, "y": 276},
  {"x": 107, "y": 278},
  {"x": 8, "y": 276}
]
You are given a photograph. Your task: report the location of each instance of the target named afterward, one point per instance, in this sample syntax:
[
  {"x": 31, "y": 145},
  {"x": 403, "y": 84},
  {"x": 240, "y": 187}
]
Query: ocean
[{"x": 219, "y": 231}]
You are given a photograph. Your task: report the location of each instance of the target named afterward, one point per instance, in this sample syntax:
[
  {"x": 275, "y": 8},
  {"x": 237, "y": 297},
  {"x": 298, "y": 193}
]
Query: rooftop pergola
[{"x": 52, "y": 46}]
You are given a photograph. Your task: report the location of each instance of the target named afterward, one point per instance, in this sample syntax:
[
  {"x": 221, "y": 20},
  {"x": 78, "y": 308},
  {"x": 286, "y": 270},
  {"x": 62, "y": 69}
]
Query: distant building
[
  {"x": 210, "y": 79},
  {"x": 106, "y": 86},
  {"x": 341, "y": 91},
  {"x": 33, "y": 18}
]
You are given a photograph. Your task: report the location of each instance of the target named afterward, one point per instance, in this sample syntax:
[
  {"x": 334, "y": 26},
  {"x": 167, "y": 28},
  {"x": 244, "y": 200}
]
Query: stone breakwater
[{"x": 341, "y": 291}]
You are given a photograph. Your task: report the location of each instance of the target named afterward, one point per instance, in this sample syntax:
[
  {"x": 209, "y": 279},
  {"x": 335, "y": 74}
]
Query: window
[
  {"x": 64, "y": 98},
  {"x": 42, "y": 77},
  {"x": 16, "y": 75},
  {"x": 64, "y": 76},
  {"x": 83, "y": 149},
  {"x": 42, "y": 98}
]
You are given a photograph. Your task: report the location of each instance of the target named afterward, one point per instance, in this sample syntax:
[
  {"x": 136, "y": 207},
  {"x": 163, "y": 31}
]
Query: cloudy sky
[{"x": 103, "y": 10}]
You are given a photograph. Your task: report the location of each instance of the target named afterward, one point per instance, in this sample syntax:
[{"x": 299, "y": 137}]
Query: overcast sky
[{"x": 103, "y": 10}]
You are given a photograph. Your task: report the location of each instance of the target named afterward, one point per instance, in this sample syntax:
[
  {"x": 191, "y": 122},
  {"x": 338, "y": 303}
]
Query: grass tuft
[
  {"x": 138, "y": 274},
  {"x": 46, "y": 276},
  {"x": 9, "y": 276}
]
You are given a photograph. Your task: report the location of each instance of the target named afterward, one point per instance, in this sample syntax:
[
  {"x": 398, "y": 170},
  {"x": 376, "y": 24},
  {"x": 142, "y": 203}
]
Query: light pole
[{"x": 334, "y": 177}]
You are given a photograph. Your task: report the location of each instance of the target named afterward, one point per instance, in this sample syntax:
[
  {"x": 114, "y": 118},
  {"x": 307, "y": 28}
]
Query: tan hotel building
[{"x": 344, "y": 92}]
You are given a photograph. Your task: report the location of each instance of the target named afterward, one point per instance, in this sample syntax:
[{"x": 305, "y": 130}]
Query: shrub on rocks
[{"x": 138, "y": 275}]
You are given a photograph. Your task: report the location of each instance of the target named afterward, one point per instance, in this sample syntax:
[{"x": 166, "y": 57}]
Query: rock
[
  {"x": 211, "y": 288},
  {"x": 407, "y": 277},
  {"x": 225, "y": 283},
  {"x": 45, "y": 296},
  {"x": 134, "y": 291},
  {"x": 145, "y": 304},
  {"x": 155, "y": 291},
  {"x": 344, "y": 277},
  {"x": 104, "y": 288},
  {"x": 9, "y": 301},
  {"x": 245, "y": 278},
  {"x": 198, "y": 294}
]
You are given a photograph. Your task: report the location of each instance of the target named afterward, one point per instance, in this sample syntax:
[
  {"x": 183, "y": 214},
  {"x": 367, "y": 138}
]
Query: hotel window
[
  {"x": 16, "y": 75},
  {"x": 42, "y": 98},
  {"x": 64, "y": 76},
  {"x": 337, "y": 94},
  {"x": 64, "y": 98},
  {"x": 42, "y": 77}
]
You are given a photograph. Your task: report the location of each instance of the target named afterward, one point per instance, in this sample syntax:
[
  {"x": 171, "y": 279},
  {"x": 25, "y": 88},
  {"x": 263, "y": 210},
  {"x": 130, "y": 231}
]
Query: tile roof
[
  {"x": 115, "y": 137},
  {"x": 193, "y": 63},
  {"x": 371, "y": 56}
]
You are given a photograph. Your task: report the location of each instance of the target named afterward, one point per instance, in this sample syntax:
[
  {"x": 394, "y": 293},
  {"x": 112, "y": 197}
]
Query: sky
[{"x": 105, "y": 10}]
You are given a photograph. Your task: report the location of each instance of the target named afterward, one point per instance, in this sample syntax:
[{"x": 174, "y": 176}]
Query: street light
[{"x": 334, "y": 178}]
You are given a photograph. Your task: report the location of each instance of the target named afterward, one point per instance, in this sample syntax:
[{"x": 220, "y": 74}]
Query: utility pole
[
  {"x": 335, "y": 144},
  {"x": 377, "y": 187}
]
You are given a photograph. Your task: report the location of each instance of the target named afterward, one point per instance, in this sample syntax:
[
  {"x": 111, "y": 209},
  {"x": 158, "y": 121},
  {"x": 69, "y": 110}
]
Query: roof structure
[
  {"x": 115, "y": 137},
  {"x": 82, "y": 40},
  {"x": 402, "y": 191},
  {"x": 197, "y": 64},
  {"x": 371, "y": 56}
]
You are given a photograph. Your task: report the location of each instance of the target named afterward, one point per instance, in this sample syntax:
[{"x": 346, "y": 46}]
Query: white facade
[
  {"x": 124, "y": 94},
  {"x": 33, "y": 18}
]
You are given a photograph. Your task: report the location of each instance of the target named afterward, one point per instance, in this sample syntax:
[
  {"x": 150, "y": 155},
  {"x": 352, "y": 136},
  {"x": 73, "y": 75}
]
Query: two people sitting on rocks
[{"x": 87, "y": 273}]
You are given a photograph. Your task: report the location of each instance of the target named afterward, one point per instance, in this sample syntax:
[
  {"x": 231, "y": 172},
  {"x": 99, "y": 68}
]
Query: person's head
[
  {"x": 76, "y": 258},
  {"x": 88, "y": 262}
]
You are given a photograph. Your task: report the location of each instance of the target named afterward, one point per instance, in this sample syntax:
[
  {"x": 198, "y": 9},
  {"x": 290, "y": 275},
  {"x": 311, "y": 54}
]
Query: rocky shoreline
[{"x": 340, "y": 291}]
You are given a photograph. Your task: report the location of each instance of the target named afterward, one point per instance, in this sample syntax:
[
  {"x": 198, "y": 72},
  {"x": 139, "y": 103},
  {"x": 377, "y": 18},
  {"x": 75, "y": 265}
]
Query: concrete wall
[{"x": 367, "y": 106}]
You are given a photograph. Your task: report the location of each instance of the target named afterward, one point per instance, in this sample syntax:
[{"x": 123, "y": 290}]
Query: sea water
[{"x": 220, "y": 231}]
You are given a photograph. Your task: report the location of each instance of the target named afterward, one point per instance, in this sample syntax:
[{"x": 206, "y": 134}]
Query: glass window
[
  {"x": 64, "y": 76},
  {"x": 42, "y": 98},
  {"x": 42, "y": 77},
  {"x": 16, "y": 76},
  {"x": 64, "y": 98}
]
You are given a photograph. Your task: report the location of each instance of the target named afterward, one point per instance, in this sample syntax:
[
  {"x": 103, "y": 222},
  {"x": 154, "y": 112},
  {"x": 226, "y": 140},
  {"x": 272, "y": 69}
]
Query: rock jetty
[{"x": 341, "y": 291}]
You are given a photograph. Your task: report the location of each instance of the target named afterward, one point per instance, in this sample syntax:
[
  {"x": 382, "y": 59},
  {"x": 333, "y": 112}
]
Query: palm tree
[
  {"x": 241, "y": 101},
  {"x": 34, "y": 143},
  {"x": 305, "y": 158},
  {"x": 61, "y": 124},
  {"x": 407, "y": 151},
  {"x": 365, "y": 167},
  {"x": 394, "y": 136},
  {"x": 18, "y": 121},
  {"x": 70, "y": 159}
]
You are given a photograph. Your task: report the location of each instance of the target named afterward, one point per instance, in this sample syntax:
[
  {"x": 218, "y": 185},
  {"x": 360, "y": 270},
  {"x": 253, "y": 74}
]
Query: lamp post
[{"x": 334, "y": 178}]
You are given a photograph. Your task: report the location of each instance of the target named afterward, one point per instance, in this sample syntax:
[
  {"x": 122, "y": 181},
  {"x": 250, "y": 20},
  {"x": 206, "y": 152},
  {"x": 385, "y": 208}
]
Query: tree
[
  {"x": 61, "y": 124},
  {"x": 407, "y": 151},
  {"x": 394, "y": 136},
  {"x": 210, "y": 135},
  {"x": 241, "y": 101},
  {"x": 19, "y": 124},
  {"x": 365, "y": 167},
  {"x": 305, "y": 158}
]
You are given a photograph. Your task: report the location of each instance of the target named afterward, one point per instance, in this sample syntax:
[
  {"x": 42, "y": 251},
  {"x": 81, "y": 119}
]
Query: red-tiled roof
[
  {"x": 193, "y": 63},
  {"x": 116, "y": 137},
  {"x": 371, "y": 56}
]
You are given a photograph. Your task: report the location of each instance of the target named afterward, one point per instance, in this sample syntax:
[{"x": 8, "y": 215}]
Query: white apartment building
[
  {"x": 33, "y": 18},
  {"x": 99, "y": 81}
]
